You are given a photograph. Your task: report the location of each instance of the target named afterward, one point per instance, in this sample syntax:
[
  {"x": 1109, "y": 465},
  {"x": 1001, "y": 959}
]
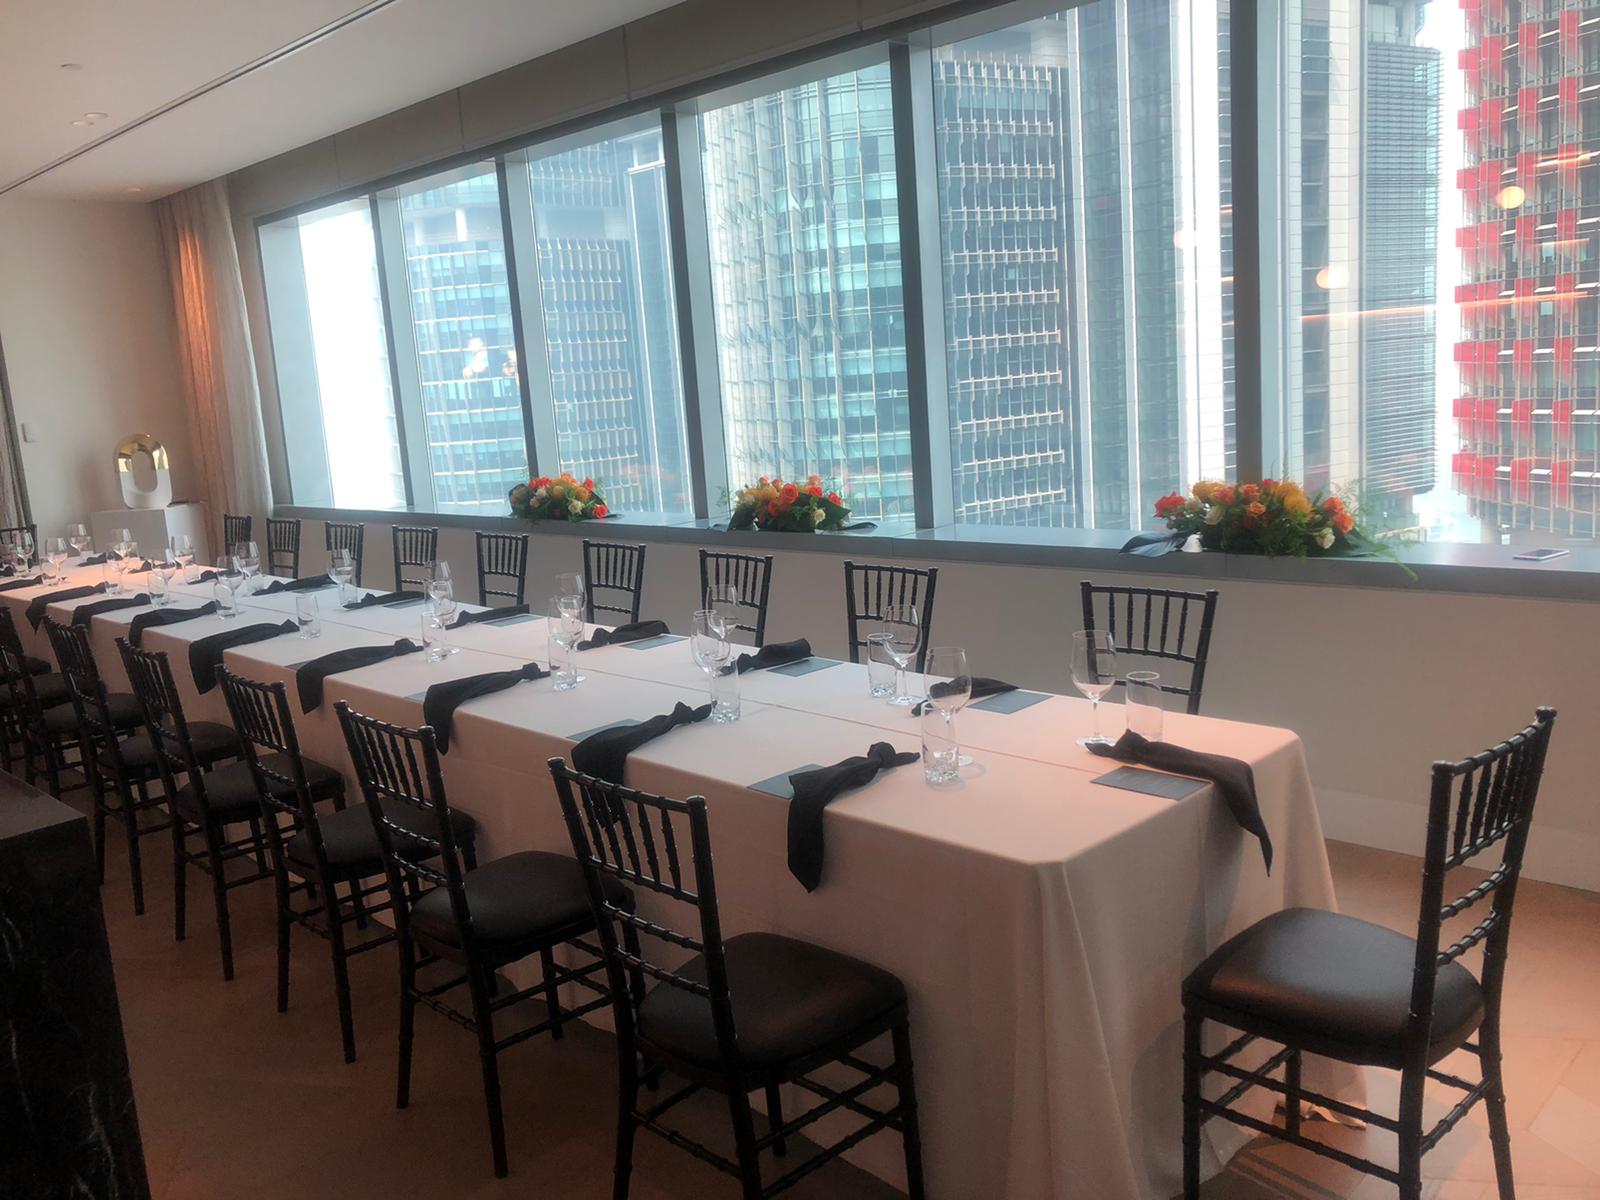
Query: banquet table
[{"x": 1042, "y": 923}]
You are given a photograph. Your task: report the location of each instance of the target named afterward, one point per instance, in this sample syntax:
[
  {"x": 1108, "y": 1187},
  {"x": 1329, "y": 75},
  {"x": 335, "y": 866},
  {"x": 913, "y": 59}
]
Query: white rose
[
  {"x": 1214, "y": 514},
  {"x": 1325, "y": 537},
  {"x": 574, "y": 507},
  {"x": 816, "y": 516},
  {"x": 539, "y": 496}
]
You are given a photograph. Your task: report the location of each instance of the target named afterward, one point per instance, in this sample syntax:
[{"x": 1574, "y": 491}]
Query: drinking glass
[
  {"x": 120, "y": 540},
  {"x": 24, "y": 543},
  {"x": 1145, "y": 703},
  {"x": 949, "y": 665},
  {"x": 565, "y": 628},
  {"x": 78, "y": 538},
  {"x": 227, "y": 599},
  {"x": 713, "y": 654},
  {"x": 160, "y": 593},
  {"x": 723, "y": 599},
  {"x": 880, "y": 665},
  {"x": 163, "y": 567},
  {"x": 182, "y": 547},
  {"x": 941, "y": 755},
  {"x": 900, "y": 622},
  {"x": 1094, "y": 673},
  {"x": 433, "y": 637},
  {"x": 55, "y": 549},
  {"x": 305, "y": 615},
  {"x": 247, "y": 560},
  {"x": 570, "y": 585},
  {"x": 342, "y": 570}
]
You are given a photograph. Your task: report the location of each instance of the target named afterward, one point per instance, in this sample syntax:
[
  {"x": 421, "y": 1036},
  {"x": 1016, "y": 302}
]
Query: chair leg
[
  {"x": 478, "y": 982},
  {"x": 1495, "y": 1102},
  {"x": 180, "y": 881},
  {"x": 358, "y": 906},
  {"x": 744, "y": 1140},
  {"x": 280, "y": 888},
  {"x": 260, "y": 844},
  {"x": 1291, "y": 1102},
  {"x": 100, "y": 838},
  {"x": 219, "y": 898},
  {"x": 1410, "y": 1134},
  {"x": 130, "y": 818},
  {"x": 408, "y": 1021},
  {"x": 780, "y": 1148},
  {"x": 341, "y": 980},
  {"x": 552, "y": 997},
  {"x": 905, "y": 1081},
  {"x": 627, "y": 1101},
  {"x": 1191, "y": 1105}
]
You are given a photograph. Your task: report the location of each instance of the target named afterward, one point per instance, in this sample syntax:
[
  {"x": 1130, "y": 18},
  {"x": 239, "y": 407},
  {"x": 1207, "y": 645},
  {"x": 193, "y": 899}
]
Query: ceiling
[{"x": 134, "y": 57}]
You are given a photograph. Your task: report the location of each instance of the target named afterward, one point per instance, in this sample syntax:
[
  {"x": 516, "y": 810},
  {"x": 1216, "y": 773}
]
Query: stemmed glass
[
  {"x": 162, "y": 569},
  {"x": 442, "y": 602},
  {"x": 713, "y": 654},
  {"x": 950, "y": 696},
  {"x": 224, "y": 589},
  {"x": 723, "y": 599},
  {"x": 181, "y": 548},
  {"x": 24, "y": 543},
  {"x": 78, "y": 538},
  {"x": 121, "y": 539},
  {"x": 55, "y": 550},
  {"x": 565, "y": 627},
  {"x": 569, "y": 587},
  {"x": 126, "y": 564},
  {"x": 901, "y": 621},
  {"x": 1094, "y": 673},
  {"x": 247, "y": 559},
  {"x": 342, "y": 569}
]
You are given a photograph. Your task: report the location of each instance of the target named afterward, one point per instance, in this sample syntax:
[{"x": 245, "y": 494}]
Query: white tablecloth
[{"x": 1041, "y": 923}]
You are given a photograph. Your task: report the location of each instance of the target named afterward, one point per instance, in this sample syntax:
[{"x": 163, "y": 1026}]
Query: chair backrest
[
  {"x": 235, "y": 530},
  {"x": 751, "y": 574},
  {"x": 25, "y": 706},
  {"x": 8, "y": 533},
  {"x": 505, "y": 556},
  {"x": 1156, "y": 623},
  {"x": 283, "y": 546},
  {"x": 398, "y": 769},
  {"x": 75, "y": 653},
  {"x": 618, "y": 569},
  {"x": 346, "y": 535},
  {"x": 1483, "y": 801},
  {"x": 870, "y": 589},
  {"x": 414, "y": 546},
  {"x": 629, "y": 835},
  {"x": 150, "y": 675},
  {"x": 261, "y": 718}
]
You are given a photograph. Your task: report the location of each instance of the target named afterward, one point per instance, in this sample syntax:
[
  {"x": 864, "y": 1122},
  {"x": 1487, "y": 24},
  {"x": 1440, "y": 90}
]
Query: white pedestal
[{"x": 154, "y": 528}]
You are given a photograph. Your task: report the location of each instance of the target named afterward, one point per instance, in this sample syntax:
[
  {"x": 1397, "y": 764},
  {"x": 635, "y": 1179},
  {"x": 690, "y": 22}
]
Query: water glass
[
  {"x": 112, "y": 574},
  {"x": 305, "y": 615},
  {"x": 905, "y": 629},
  {"x": 433, "y": 637},
  {"x": 940, "y": 753},
  {"x": 1145, "y": 704},
  {"x": 227, "y": 599},
  {"x": 1094, "y": 673},
  {"x": 713, "y": 654},
  {"x": 160, "y": 593},
  {"x": 565, "y": 627},
  {"x": 880, "y": 665}
]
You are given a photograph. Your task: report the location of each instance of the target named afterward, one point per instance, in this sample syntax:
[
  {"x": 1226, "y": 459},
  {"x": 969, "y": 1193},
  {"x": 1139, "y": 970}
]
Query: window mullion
[
  {"x": 527, "y": 314},
  {"x": 410, "y": 417},
  {"x": 1252, "y": 64}
]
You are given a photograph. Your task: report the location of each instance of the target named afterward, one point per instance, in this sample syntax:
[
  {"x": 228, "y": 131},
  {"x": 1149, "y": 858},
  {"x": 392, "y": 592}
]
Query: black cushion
[
  {"x": 212, "y": 743},
  {"x": 351, "y": 843},
  {"x": 520, "y": 898},
  {"x": 231, "y": 790},
  {"x": 50, "y": 688},
  {"x": 1334, "y": 985},
  {"x": 789, "y": 998},
  {"x": 62, "y": 719},
  {"x": 36, "y": 666}
]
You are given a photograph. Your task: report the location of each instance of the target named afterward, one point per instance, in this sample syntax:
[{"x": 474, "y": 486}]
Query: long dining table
[{"x": 1041, "y": 922}]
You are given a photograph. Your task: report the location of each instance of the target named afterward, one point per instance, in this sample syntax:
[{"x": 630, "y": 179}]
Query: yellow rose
[
  {"x": 1204, "y": 489},
  {"x": 557, "y": 491},
  {"x": 580, "y": 493},
  {"x": 1297, "y": 504}
]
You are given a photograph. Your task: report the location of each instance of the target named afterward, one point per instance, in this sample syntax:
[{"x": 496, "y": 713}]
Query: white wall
[
  {"x": 86, "y": 320},
  {"x": 1378, "y": 682}
]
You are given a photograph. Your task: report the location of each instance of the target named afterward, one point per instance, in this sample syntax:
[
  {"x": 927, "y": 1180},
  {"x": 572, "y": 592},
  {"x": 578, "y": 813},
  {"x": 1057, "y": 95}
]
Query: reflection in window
[
  {"x": 805, "y": 272},
  {"x": 466, "y": 349},
  {"x": 605, "y": 274},
  {"x": 1086, "y": 238}
]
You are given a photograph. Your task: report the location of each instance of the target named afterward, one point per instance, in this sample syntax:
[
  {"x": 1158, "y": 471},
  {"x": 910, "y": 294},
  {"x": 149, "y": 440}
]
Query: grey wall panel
[
  {"x": 582, "y": 78},
  {"x": 286, "y": 180},
  {"x": 409, "y": 137},
  {"x": 699, "y": 38}
]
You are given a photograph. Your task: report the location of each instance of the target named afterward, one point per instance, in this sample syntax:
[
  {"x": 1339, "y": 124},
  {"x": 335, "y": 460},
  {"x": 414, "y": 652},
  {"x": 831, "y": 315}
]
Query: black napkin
[
  {"x": 306, "y": 583},
  {"x": 816, "y": 789},
  {"x": 779, "y": 654},
  {"x": 440, "y": 702},
  {"x": 22, "y": 583},
  {"x": 82, "y": 614},
  {"x": 605, "y": 754},
  {"x": 165, "y": 616},
  {"x": 95, "y": 560},
  {"x": 378, "y": 599},
  {"x": 205, "y": 654},
  {"x": 488, "y": 614},
  {"x": 309, "y": 676},
  {"x": 38, "y": 604},
  {"x": 1235, "y": 781},
  {"x": 1153, "y": 545},
  {"x": 982, "y": 688},
  {"x": 637, "y": 631}
]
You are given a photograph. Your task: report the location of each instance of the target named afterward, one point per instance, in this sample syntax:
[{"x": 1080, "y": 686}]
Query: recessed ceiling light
[
  {"x": 72, "y": 66},
  {"x": 95, "y": 116},
  {"x": 80, "y": 121},
  {"x": 133, "y": 190}
]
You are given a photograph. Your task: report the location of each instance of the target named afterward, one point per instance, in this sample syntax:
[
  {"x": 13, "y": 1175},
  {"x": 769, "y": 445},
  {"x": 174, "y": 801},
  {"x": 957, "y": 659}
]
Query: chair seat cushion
[
  {"x": 212, "y": 743},
  {"x": 62, "y": 719},
  {"x": 521, "y": 898},
  {"x": 230, "y": 791},
  {"x": 790, "y": 998},
  {"x": 50, "y": 687},
  {"x": 37, "y": 666},
  {"x": 350, "y": 841},
  {"x": 1334, "y": 985}
]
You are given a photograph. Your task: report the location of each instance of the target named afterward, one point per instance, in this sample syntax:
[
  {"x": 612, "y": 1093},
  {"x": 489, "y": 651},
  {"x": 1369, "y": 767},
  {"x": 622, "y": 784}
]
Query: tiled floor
[{"x": 237, "y": 1101}]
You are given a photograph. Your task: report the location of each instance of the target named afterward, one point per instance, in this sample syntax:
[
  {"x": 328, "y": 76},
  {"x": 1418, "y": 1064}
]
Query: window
[
  {"x": 466, "y": 354},
  {"x": 1086, "y": 238},
  {"x": 800, "y": 197},
  {"x": 331, "y": 352},
  {"x": 610, "y": 324}
]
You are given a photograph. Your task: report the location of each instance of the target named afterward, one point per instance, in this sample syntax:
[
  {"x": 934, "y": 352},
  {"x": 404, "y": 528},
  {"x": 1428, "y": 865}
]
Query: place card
[
  {"x": 578, "y": 737},
  {"x": 1151, "y": 783},
  {"x": 513, "y": 619},
  {"x": 650, "y": 643},
  {"x": 779, "y": 785},
  {"x": 1010, "y": 702},
  {"x": 804, "y": 667}
]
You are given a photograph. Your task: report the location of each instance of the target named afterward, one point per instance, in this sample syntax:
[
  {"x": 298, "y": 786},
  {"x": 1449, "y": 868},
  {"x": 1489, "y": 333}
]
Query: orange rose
[
  {"x": 789, "y": 495},
  {"x": 1250, "y": 491},
  {"x": 1170, "y": 504},
  {"x": 833, "y": 498},
  {"x": 1222, "y": 495},
  {"x": 600, "y": 510},
  {"x": 588, "y": 483},
  {"x": 1343, "y": 522},
  {"x": 815, "y": 489},
  {"x": 763, "y": 481},
  {"x": 1269, "y": 486},
  {"x": 1333, "y": 505},
  {"x": 1257, "y": 509}
]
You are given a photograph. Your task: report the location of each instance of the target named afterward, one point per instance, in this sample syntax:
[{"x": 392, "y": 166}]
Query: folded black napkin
[
  {"x": 85, "y": 612},
  {"x": 306, "y": 583},
  {"x": 441, "y": 700},
  {"x": 38, "y": 604},
  {"x": 637, "y": 631},
  {"x": 816, "y": 789},
  {"x": 165, "y": 616},
  {"x": 982, "y": 688},
  {"x": 1154, "y": 545},
  {"x": 96, "y": 560},
  {"x": 309, "y": 676},
  {"x": 605, "y": 754},
  {"x": 779, "y": 654},
  {"x": 1235, "y": 781},
  {"x": 488, "y": 614},
  {"x": 378, "y": 599},
  {"x": 22, "y": 583},
  {"x": 205, "y": 654}
]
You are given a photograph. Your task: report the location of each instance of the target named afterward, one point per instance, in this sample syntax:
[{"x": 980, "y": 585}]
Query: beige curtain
[
  {"x": 13, "y": 487},
  {"x": 218, "y": 370}
]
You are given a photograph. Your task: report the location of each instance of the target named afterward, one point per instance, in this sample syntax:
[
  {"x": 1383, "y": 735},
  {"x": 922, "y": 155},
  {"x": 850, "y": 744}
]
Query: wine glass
[
  {"x": 901, "y": 621},
  {"x": 182, "y": 549},
  {"x": 128, "y": 564},
  {"x": 713, "y": 654},
  {"x": 950, "y": 695},
  {"x": 565, "y": 627},
  {"x": 163, "y": 567},
  {"x": 55, "y": 550},
  {"x": 24, "y": 543},
  {"x": 78, "y": 538},
  {"x": 225, "y": 588},
  {"x": 342, "y": 569},
  {"x": 247, "y": 558},
  {"x": 120, "y": 540},
  {"x": 569, "y": 587},
  {"x": 442, "y": 601},
  {"x": 723, "y": 599},
  {"x": 1094, "y": 673}
]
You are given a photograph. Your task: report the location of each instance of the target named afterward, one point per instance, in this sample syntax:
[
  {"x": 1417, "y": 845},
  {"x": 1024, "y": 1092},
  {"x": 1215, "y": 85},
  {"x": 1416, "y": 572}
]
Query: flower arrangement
[
  {"x": 772, "y": 504},
  {"x": 1273, "y": 517},
  {"x": 564, "y": 498}
]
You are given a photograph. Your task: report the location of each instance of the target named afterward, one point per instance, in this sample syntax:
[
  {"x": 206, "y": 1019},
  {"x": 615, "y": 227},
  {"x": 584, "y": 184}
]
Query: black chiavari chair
[
  {"x": 1325, "y": 984},
  {"x": 750, "y": 574},
  {"x": 870, "y": 589},
  {"x": 235, "y": 530},
  {"x": 346, "y": 535},
  {"x": 746, "y": 1013},
  {"x": 414, "y": 546},
  {"x": 283, "y": 546},
  {"x": 504, "y": 556},
  {"x": 49, "y": 689},
  {"x": 312, "y": 851},
  {"x": 10, "y": 533},
  {"x": 1156, "y": 623},
  {"x": 614, "y": 567},
  {"x": 477, "y": 918}
]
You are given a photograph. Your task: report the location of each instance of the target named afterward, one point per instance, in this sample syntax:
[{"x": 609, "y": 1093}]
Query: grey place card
[
  {"x": 650, "y": 643},
  {"x": 779, "y": 786},
  {"x": 804, "y": 667},
  {"x": 514, "y": 619},
  {"x": 1010, "y": 702},
  {"x": 1151, "y": 783},
  {"x": 579, "y": 736}
]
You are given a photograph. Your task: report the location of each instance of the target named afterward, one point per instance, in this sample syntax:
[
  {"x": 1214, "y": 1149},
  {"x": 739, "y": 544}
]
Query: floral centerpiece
[
  {"x": 772, "y": 504},
  {"x": 563, "y": 498},
  {"x": 1273, "y": 517}
]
